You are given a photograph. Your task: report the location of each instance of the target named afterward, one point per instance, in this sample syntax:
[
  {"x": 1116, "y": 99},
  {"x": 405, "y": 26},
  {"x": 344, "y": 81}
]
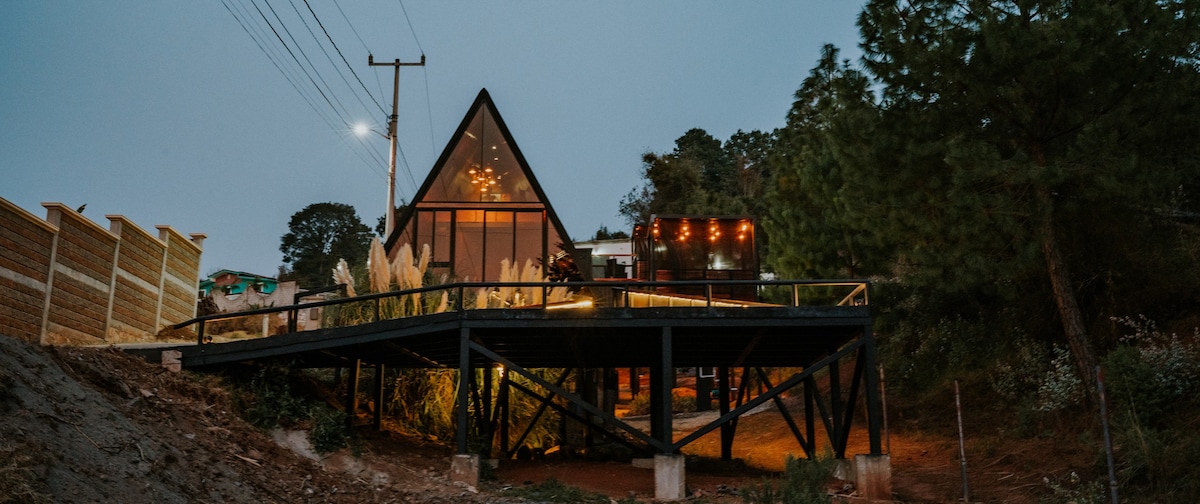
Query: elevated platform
[
  {"x": 575, "y": 338},
  {"x": 632, "y": 328}
]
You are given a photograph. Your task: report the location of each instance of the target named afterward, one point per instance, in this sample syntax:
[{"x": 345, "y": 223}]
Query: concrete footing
[
  {"x": 844, "y": 470},
  {"x": 172, "y": 360},
  {"x": 669, "y": 481},
  {"x": 873, "y": 477},
  {"x": 465, "y": 469}
]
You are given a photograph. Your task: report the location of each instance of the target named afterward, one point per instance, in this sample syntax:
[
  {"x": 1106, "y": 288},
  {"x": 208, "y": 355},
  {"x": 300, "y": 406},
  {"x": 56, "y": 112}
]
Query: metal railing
[{"x": 620, "y": 294}]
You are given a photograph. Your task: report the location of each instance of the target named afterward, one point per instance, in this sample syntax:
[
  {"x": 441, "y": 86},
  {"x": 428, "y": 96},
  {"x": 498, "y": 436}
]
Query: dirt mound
[{"x": 96, "y": 425}]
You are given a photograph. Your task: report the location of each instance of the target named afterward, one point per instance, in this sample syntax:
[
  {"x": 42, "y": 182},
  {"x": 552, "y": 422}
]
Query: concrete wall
[{"x": 66, "y": 280}]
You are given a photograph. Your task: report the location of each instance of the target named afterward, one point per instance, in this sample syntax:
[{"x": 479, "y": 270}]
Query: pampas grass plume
[
  {"x": 377, "y": 262},
  {"x": 341, "y": 275}
]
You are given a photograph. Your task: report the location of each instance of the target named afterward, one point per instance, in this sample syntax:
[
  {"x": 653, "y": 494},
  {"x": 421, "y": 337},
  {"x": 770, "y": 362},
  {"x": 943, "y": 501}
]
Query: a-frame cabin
[{"x": 481, "y": 205}]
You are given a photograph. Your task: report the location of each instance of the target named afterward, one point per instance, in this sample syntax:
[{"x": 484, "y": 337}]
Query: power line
[
  {"x": 310, "y": 64},
  {"x": 429, "y": 110},
  {"x": 410, "y": 26},
  {"x": 327, "y": 58},
  {"x": 289, "y": 56},
  {"x": 274, "y": 58},
  {"x": 425, "y": 74},
  {"x": 347, "y": 63},
  {"x": 351, "y": 25},
  {"x": 257, "y": 33}
]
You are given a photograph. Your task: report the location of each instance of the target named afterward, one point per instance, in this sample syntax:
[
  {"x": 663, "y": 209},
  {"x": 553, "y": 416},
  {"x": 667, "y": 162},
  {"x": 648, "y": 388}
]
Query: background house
[{"x": 232, "y": 291}]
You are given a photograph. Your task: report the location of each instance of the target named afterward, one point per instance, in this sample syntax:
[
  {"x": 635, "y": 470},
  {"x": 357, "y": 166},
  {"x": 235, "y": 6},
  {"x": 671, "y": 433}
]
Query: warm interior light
[
  {"x": 582, "y": 303},
  {"x": 485, "y": 178}
]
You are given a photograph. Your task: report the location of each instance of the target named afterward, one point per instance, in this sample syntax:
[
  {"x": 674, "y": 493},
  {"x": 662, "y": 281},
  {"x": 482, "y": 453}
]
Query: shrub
[
  {"x": 271, "y": 402},
  {"x": 919, "y": 357},
  {"x": 328, "y": 430},
  {"x": 803, "y": 482},
  {"x": 681, "y": 402},
  {"x": 1150, "y": 372},
  {"x": 1152, "y": 381},
  {"x": 1045, "y": 373}
]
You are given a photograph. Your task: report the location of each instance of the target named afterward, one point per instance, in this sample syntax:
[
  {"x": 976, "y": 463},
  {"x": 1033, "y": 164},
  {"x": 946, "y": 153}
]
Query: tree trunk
[{"x": 1064, "y": 297}]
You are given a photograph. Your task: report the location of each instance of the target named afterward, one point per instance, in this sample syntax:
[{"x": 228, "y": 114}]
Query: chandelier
[{"x": 485, "y": 179}]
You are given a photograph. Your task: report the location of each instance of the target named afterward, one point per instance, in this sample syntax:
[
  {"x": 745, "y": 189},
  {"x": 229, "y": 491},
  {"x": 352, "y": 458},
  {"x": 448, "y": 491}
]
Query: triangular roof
[{"x": 481, "y": 168}]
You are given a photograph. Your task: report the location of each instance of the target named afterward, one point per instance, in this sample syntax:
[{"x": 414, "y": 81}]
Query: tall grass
[
  {"x": 409, "y": 272},
  {"x": 423, "y": 400},
  {"x": 507, "y": 296}
]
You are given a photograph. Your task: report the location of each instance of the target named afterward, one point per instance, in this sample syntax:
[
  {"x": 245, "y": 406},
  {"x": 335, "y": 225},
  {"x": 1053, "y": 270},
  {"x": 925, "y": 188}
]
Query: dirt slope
[{"x": 96, "y": 425}]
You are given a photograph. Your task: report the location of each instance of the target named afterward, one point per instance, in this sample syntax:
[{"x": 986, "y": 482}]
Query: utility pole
[{"x": 390, "y": 216}]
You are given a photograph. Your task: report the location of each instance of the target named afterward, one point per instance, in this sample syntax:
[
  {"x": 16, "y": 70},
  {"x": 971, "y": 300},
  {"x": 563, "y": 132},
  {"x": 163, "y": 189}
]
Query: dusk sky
[{"x": 171, "y": 113}]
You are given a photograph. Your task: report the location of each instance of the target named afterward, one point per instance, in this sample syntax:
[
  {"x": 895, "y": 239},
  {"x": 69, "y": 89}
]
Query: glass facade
[
  {"x": 481, "y": 207},
  {"x": 698, "y": 248}
]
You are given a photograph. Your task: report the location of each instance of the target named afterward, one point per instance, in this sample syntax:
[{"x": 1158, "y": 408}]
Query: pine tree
[{"x": 1014, "y": 134}]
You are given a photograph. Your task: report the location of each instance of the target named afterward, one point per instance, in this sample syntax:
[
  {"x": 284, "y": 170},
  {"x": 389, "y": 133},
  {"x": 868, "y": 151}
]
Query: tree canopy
[
  {"x": 1017, "y": 166},
  {"x": 701, "y": 175},
  {"x": 318, "y": 236},
  {"x": 999, "y": 150}
]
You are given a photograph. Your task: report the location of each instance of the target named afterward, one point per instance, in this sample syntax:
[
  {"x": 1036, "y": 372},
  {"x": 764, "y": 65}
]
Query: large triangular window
[
  {"x": 482, "y": 167},
  {"x": 481, "y": 207}
]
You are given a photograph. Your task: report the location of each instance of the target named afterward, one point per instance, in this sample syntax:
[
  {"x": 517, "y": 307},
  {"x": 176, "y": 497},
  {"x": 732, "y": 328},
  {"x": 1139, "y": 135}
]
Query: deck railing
[{"x": 631, "y": 294}]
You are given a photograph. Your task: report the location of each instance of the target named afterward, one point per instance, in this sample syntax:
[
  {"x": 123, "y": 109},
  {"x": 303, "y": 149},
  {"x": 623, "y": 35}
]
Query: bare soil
[{"x": 97, "y": 425}]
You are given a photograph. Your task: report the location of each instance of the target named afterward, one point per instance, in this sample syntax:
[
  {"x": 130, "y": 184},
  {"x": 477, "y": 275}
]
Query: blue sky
[{"x": 170, "y": 113}]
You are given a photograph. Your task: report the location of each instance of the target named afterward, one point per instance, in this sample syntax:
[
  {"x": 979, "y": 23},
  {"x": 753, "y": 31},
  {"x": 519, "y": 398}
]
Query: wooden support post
[
  {"x": 612, "y": 391},
  {"x": 727, "y": 429},
  {"x": 810, "y": 426},
  {"x": 352, "y": 393},
  {"x": 462, "y": 402},
  {"x": 379, "y": 395},
  {"x": 704, "y": 386},
  {"x": 487, "y": 420},
  {"x": 660, "y": 390},
  {"x": 587, "y": 392},
  {"x": 835, "y": 405},
  {"x": 874, "y": 407},
  {"x": 502, "y": 405}
]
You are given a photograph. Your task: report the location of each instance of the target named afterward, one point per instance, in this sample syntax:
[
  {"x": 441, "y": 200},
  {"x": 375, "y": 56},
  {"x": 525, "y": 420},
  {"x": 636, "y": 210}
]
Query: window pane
[
  {"x": 441, "y": 237},
  {"x": 468, "y": 246},
  {"x": 529, "y": 238},
  {"x": 500, "y": 245},
  {"x": 424, "y": 231}
]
